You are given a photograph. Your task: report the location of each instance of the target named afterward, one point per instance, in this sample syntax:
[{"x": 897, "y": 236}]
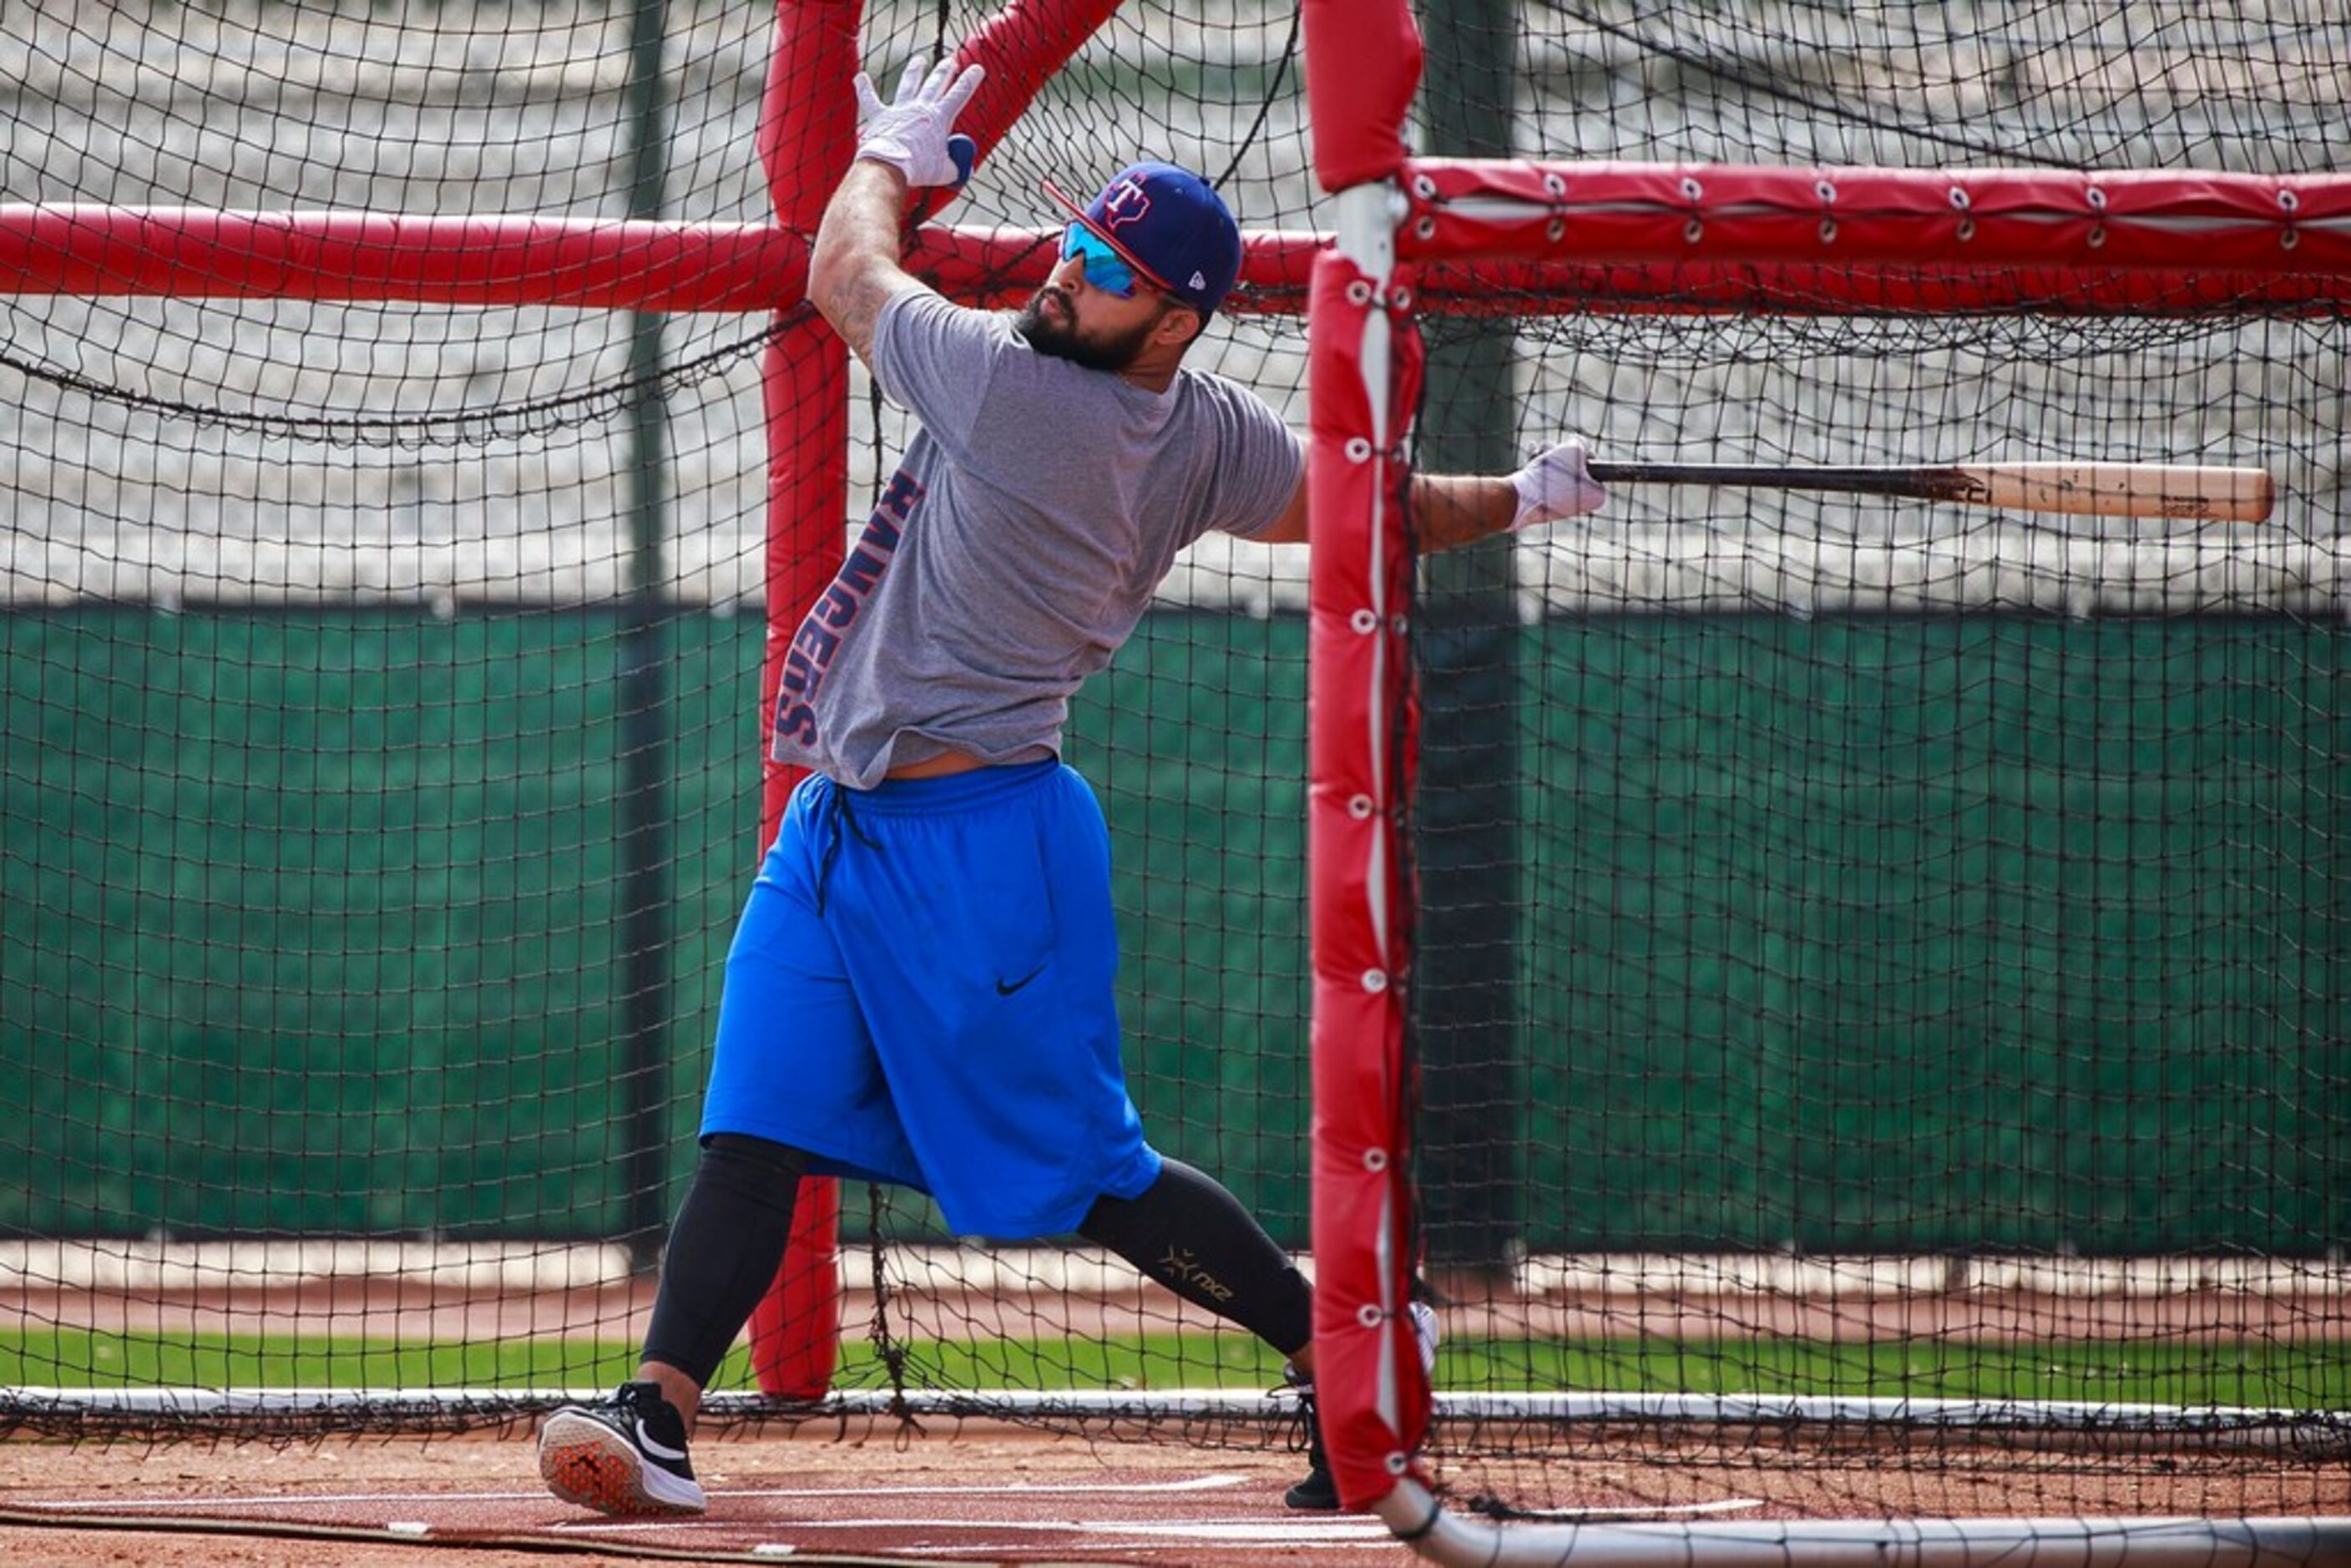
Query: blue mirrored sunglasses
[{"x": 1105, "y": 268}]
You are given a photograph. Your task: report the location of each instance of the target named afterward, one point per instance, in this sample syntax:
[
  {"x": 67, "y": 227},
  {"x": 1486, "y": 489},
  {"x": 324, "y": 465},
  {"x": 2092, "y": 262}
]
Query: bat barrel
[{"x": 2178, "y": 491}]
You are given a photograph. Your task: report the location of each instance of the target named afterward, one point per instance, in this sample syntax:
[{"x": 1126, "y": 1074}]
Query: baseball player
[{"x": 921, "y": 990}]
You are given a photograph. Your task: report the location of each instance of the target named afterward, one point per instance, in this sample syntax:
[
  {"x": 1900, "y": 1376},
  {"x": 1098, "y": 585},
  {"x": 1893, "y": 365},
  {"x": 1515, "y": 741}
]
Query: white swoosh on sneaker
[{"x": 645, "y": 1441}]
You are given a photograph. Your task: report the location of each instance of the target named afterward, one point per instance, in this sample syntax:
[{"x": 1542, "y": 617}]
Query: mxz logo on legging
[{"x": 1179, "y": 1265}]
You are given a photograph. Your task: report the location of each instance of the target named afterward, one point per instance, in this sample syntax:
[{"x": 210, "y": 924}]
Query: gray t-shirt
[{"x": 1018, "y": 545}]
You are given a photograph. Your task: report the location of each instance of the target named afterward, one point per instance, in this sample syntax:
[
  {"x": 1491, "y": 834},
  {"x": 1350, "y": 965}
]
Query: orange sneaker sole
[{"x": 584, "y": 1463}]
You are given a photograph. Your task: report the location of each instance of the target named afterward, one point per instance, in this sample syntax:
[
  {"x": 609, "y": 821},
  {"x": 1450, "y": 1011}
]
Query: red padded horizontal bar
[
  {"x": 1748, "y": 255},
  {"x": 590, "y": 263},
  {"x": 1869, "y": 224}
]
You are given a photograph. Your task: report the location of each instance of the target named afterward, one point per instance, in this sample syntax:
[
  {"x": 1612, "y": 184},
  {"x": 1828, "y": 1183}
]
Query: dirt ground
[
  {"x": 979, "y": 1494},
  {"x": 1005, "y": 1497}
]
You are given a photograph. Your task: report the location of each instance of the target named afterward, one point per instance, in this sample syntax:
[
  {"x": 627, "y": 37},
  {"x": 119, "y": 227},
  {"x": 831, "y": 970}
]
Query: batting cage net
[
  {"x": 1861, "y": 1033},
  {"x": 410, "y": 427},
  {"x": 1866, "y": 974}
]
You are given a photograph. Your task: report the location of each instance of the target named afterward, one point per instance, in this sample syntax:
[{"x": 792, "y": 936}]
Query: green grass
[
  {"x": 2167, "y": 1372},
  {"x": 2315, "y": 1377},
  {"x": 80, "y": 1359}
]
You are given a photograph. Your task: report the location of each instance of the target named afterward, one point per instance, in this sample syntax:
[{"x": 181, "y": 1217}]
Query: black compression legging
[
  {"x": 1185, "y": 1230},
  {"x": 1192, "y": 1235},
  {"x": 723, "y": 1250}
]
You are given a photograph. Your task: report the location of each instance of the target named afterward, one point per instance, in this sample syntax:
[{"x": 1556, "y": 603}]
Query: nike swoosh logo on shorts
[
  {"x": 645, "y": 1441},
  {"x": 1004, "y": 990}
]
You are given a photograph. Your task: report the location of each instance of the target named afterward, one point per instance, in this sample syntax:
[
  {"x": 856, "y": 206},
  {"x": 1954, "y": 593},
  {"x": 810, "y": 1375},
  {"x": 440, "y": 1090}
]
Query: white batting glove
[
  {"x": 913, "y": 134},
  {"x": 1556, "y": 485}
]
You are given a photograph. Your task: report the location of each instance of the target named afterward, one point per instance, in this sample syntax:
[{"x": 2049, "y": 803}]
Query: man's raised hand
[{"x": 914, "y": 134}]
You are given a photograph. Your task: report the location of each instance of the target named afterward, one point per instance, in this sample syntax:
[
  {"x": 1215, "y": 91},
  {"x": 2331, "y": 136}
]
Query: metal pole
[
  {"x": 1473, "y": 1103},
  {"x": 642, "y": 809}
]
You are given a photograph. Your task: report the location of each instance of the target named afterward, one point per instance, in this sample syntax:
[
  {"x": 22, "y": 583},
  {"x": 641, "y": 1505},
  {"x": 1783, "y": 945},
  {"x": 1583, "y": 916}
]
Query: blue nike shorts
[{"x": 922, "y": 991}]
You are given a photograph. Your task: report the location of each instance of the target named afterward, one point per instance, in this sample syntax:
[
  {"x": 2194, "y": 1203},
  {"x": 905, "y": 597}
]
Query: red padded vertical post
[
  {"x": 1363, "y": 61},
  {"x": 1364, "y": 365},
  {"x": 808, "y": 133},
  {"x": 808, "y": 130}
]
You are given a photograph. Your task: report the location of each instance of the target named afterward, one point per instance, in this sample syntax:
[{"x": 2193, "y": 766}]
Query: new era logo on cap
[{"x": 1171, "y": 225}]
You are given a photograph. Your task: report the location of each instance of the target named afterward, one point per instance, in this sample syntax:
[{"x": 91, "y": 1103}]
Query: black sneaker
[
  {"x": 626, "y": 1458},
  {"x": 1318, "y": 1493}
]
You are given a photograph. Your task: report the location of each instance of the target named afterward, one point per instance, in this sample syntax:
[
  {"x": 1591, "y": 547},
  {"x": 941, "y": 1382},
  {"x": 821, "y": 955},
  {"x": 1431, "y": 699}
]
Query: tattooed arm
[{"x": 854, "y": 269}]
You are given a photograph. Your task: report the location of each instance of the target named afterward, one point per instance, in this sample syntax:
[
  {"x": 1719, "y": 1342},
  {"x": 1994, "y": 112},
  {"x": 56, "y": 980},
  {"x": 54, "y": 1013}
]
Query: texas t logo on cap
[
  {"x": 1123, "y": 201},
  {"x": 1171, "y": 226}
]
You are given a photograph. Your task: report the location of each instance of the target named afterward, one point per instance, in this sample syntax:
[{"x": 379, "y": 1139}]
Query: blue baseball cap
[{"x": 1171, "y": 227}]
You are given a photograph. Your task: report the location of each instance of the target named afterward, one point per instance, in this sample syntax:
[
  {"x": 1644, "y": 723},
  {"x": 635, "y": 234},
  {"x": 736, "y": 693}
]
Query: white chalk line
[
  {"x": 343, "y": 1499},
  {"x": 1345, "y": 1527},
  {"x": 1337, "y": 1529}
]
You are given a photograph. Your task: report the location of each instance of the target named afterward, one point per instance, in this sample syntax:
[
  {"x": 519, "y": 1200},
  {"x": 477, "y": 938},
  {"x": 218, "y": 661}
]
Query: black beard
[{"x": 1057, "y": 337}]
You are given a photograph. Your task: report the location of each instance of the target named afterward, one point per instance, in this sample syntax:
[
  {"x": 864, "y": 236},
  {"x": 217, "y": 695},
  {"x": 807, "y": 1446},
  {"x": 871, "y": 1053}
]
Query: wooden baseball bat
[{"x": 2081, "y": 489}]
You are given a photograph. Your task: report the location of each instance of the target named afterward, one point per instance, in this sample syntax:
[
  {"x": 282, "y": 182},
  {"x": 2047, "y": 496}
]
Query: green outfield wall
[{"x": 1888, "y": 935}]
